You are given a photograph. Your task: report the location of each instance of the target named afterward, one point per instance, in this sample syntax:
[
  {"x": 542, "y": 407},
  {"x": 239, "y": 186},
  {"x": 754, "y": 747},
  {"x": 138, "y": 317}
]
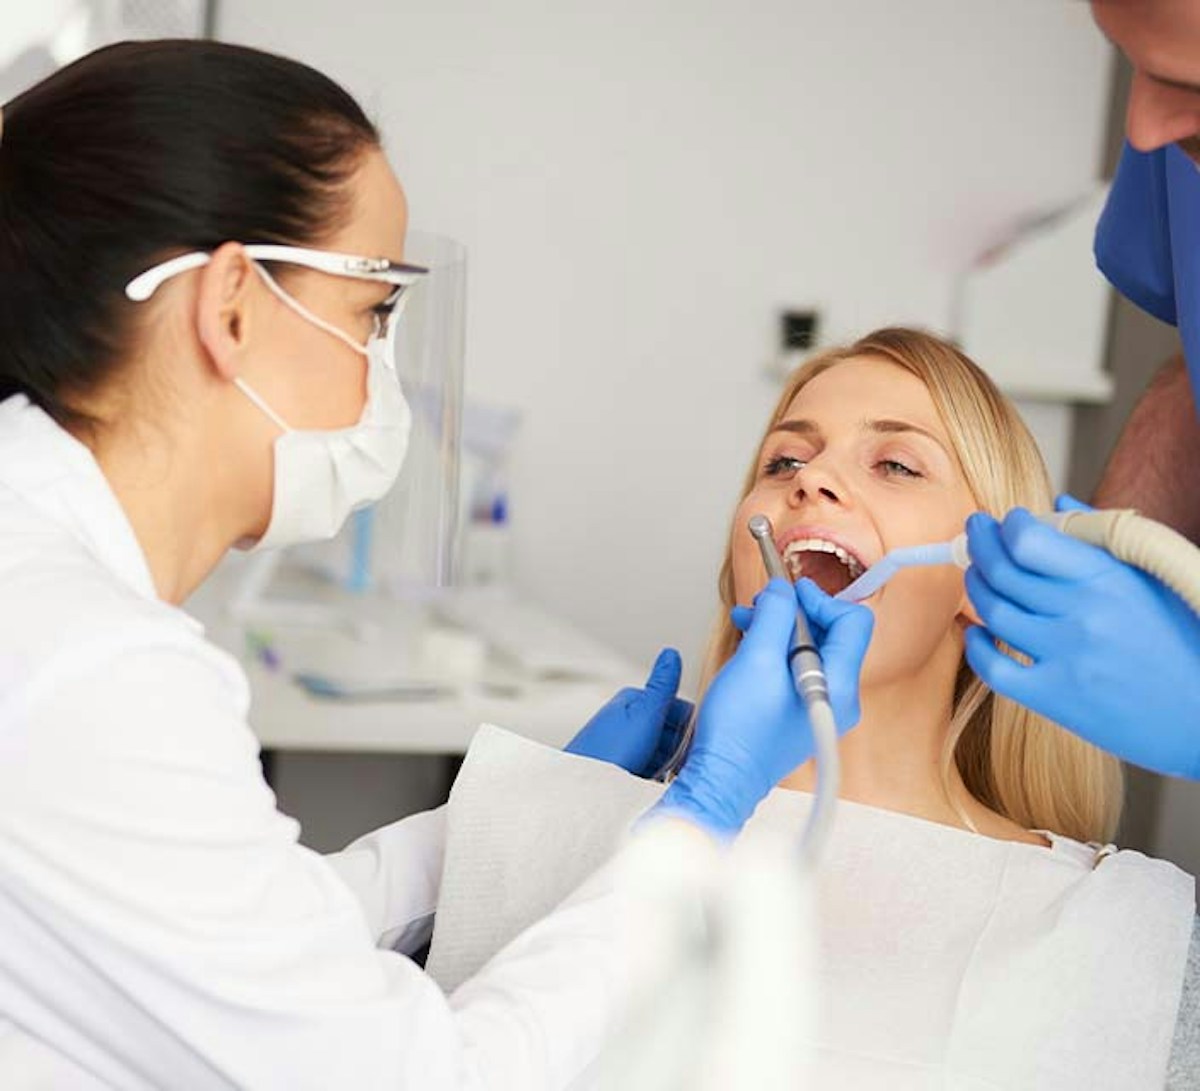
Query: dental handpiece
[
  {"x": 803, "y": 658},
  {"x": 808, "y": 676}
]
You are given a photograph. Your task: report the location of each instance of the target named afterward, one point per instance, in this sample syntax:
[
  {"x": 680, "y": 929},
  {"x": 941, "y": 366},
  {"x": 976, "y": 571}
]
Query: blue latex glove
[
  {"x": 753, "y": 727},
  {"x": 1116, "y": 654},
  {"x": 639, "y": 728}
]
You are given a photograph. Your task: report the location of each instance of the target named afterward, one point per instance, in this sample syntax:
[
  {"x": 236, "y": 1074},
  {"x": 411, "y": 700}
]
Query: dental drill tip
[
  {"x": 764, "y": 535},
  {"x": 760, "y": 527}
]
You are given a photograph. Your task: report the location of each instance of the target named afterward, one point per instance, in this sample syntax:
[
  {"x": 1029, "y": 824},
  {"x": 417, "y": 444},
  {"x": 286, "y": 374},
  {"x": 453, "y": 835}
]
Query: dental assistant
[
  {"x": 200, "y": 277},
  {"x": 1116, "y": 656}
]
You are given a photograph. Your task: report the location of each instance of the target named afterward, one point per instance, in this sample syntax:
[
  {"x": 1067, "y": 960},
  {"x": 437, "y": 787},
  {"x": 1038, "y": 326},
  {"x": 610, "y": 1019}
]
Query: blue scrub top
[{"x": 1148, "y": 241}]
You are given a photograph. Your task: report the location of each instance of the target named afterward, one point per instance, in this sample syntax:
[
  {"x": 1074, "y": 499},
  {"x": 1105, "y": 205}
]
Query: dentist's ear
[{"x": 222, "y": 307}]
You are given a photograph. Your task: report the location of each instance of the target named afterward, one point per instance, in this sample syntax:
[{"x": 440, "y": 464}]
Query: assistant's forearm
[{"x": 1156, "y": 464}]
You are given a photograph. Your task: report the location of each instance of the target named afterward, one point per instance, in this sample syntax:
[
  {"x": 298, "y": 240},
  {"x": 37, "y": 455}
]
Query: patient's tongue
[{"x": 824, "y": 569}]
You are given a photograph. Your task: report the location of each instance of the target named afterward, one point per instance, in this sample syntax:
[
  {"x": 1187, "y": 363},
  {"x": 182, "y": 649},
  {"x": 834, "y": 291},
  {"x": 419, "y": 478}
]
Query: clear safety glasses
[{"x": 383, "y": 270}]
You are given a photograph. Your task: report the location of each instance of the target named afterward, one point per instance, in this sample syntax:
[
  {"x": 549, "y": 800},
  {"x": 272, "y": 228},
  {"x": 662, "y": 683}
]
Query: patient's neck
[{"x": 893, "y": 758}]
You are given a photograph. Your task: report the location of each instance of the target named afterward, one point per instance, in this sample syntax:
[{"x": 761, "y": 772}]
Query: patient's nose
[{"x": 816, "y": 482}]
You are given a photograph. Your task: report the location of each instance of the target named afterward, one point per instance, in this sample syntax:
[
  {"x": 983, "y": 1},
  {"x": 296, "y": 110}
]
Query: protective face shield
[
  {"x": 407, "y": 544},
  {"x": 322, "y": 476}
]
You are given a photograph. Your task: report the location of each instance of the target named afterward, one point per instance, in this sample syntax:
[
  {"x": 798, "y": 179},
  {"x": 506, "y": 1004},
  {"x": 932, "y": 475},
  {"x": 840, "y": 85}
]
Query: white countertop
[{"x": 285, "y": 716}]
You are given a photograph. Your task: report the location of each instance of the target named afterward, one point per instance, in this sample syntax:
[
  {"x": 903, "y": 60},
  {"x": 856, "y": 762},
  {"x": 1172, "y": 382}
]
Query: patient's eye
[
  {"x": 781, "y": 465},
  {"x": 893, "y": 468}
]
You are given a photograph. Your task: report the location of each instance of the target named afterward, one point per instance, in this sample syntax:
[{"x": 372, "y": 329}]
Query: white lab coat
[{"x": 160, "y": 926}]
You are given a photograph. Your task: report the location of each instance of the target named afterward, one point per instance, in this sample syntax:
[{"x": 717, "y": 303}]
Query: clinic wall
[{"x": 642, "y": 184}]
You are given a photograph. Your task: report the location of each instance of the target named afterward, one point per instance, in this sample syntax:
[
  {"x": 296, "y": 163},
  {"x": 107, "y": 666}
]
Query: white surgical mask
[{"x": 321, "y": 476}]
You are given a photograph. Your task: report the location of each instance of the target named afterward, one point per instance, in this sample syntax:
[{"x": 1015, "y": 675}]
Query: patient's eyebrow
[
  {"x": 804, "y": 427},
  {"x": 800, "y": 427},
  {"x": 892, "y": 427}
]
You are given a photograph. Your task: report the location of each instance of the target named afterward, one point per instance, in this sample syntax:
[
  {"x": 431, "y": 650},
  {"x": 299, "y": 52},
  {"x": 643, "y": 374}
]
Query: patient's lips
[{"x": 826, "y": 559}]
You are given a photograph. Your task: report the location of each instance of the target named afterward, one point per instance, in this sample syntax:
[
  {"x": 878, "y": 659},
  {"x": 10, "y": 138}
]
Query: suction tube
[{"x": 1154, "y": 548}]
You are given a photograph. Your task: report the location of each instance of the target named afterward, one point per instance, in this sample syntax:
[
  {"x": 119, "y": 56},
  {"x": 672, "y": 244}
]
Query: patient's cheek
[
  {"x": 915, "y": 616},
  {"x": 748, "y": 577}
]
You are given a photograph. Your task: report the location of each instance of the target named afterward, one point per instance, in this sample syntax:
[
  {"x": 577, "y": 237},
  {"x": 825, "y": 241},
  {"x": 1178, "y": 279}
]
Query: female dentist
[{"x": 199, "y": 263}]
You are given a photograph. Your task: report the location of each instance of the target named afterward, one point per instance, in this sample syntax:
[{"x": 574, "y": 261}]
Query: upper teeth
[{"x": 820, "y": 545}]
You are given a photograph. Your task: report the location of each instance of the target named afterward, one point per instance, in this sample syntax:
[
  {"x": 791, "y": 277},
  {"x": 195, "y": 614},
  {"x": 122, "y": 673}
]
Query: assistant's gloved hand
[
  {"x": 1116, "y": 654},
  {"x": 639, "y": 728},
  {"x": 753, "y": 727}
]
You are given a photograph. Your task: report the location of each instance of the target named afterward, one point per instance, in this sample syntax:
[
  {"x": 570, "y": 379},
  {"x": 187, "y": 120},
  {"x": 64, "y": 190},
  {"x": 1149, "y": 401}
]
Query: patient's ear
[{"x": 966, "y": 614}]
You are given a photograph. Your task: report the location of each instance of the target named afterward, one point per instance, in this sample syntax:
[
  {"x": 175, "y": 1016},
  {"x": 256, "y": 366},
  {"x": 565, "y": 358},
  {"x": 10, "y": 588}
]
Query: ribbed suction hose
[{"x": 1154, "y": 548}]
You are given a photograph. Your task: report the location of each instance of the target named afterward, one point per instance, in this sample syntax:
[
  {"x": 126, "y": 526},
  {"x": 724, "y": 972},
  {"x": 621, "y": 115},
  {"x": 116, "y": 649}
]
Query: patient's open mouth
[{"x": 827, "y": 564}]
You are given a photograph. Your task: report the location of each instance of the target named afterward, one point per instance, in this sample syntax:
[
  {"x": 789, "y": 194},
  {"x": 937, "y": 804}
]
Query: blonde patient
[
  {"x": 976, "y": 930},
  {"x": 894, "y": 441}
]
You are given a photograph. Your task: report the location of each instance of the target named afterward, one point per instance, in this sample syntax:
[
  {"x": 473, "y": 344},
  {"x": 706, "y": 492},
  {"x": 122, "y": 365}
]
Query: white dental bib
[{"x": 949, "y": 960}]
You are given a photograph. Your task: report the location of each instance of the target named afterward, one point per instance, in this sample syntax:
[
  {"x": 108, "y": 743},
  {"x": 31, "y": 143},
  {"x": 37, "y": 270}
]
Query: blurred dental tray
[
  {"x": 335, "y": 689},
  {"x": 536, "y": 643}
]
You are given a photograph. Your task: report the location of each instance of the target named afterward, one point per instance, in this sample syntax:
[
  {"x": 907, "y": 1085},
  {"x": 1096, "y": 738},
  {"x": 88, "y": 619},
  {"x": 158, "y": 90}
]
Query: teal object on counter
[{"x": 362, "y": 529}]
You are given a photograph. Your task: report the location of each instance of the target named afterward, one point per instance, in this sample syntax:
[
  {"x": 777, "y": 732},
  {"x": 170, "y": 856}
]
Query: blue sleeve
[{"x": 1148, "y": 241}]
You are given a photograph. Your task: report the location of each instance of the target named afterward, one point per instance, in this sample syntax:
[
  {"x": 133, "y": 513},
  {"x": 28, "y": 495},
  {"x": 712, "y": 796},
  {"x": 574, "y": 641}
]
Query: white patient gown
[{"x": 948, "y": 960}]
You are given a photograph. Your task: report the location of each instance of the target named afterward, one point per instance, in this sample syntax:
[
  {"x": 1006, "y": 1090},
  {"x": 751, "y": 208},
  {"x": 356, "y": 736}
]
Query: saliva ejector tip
[{"x": 953, "y": 552}]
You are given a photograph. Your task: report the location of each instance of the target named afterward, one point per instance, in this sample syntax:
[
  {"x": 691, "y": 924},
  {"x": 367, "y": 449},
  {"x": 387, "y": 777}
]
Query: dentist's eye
[
  {"x": 783, "y": 464},
  {"x": 381, "y": 315},
  {"x": 892, "y": 468},
  {"x": 382, "y": 312}
]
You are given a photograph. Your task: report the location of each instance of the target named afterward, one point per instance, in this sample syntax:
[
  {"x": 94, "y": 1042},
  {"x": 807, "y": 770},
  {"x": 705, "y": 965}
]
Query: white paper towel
[
  {"x": 949, "y": 960},
  {"x": 509, "y": 859}
]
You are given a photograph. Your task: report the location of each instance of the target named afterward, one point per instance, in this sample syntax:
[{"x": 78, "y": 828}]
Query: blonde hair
[{"x": 1012, "y": 760}]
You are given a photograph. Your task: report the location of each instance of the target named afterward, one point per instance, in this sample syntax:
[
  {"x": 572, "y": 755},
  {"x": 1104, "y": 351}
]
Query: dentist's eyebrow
[
  {"x": 1155, "y": 77},
  {"x": 1177, "y": 85}
]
